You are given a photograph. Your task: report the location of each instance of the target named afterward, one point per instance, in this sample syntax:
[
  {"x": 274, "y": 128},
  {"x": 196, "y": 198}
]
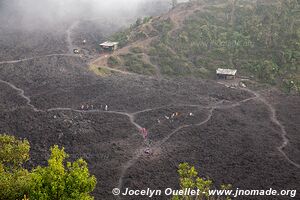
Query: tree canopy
[
  {"x": 59, "y": 180},
  {"x": 189, "y": 179}
]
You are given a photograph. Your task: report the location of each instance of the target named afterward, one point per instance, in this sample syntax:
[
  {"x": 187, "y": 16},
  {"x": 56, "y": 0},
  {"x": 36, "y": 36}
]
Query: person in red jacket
[{"x": 144, "y": 133}]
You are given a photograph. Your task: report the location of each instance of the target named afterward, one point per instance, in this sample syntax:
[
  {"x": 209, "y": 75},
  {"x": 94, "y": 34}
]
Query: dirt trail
[
  {"x": 69, "y": 31},
  {"x": 21, "y": 93},
  {"x": 117, "y": 70},
  {"x": 125, "y": 50},
  {"x": 37, "y": 57},
  {"x": 219, "y": 105},
  {"x": 176, "y": 17},
  {"x": 140, "y": 153},
  {"x": 69, "y": 44},
  {"x": 274, "y": 119},
  {"x": 131, "y": 116},
  {"x": 102, "y": 61}
]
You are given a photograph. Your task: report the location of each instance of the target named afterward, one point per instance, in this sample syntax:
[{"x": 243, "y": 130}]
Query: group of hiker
[
  {"x": 91, "y": 107},
  {"x": 143, "y": 131},
  {"x": 171, "y": 118},
  {"x": 87, "y": 107}
]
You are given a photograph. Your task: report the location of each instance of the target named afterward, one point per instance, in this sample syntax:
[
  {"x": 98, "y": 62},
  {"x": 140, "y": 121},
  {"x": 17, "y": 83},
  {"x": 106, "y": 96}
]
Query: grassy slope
[{"x": 261, "y": 40}]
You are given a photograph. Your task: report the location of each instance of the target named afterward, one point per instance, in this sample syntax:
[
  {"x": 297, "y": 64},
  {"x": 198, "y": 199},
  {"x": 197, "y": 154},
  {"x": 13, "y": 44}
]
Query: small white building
[
  {"x": 109, "y": 46},
  {"x": 226, "y": 73}
]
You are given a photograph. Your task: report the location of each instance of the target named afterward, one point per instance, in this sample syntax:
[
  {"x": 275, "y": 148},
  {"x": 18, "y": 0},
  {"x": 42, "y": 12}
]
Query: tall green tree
[
  {"x": 188, "y": 178},
  {"x": 15, "y": 181},
  {"x": 60, "y": 180}
]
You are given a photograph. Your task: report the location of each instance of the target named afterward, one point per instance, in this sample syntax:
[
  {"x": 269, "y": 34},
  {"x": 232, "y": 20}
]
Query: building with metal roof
[
  {"x": 226, "y": 73},
  {"x": 109, "y": 46}
]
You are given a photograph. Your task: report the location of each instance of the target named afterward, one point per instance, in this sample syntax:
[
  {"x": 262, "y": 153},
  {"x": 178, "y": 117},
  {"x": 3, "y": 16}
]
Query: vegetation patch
[
  {"x": 260, "y": 40},
  {"x": 113, "y": 61},
  {"x": 58, "y": 180},
  {"x": 136, "y": 50},
  {"x": 189, "y": 179},
  {"x": 100, "y": 71},
  {"x": 134, "y": 63}
]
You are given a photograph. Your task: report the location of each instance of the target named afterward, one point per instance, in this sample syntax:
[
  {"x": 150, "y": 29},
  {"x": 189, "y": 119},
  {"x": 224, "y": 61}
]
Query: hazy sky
[
  {"x": 49, "y": 13},
  {"x": 33, "y": 13}
]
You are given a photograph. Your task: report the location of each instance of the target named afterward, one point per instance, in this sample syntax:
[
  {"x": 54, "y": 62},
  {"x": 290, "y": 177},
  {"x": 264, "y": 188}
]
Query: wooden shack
[
  {"x": 226, "y": 73},
  {"x": 109, "y": 46}
]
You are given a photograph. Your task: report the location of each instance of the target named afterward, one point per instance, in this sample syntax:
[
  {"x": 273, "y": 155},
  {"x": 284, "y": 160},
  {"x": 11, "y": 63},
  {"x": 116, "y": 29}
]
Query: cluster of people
[
  {"x": 91, "y": 107},
  {"x": 87, "y": 107},
  {"x": 173, "y": 116},
  {"x": 144, "y": 131}
]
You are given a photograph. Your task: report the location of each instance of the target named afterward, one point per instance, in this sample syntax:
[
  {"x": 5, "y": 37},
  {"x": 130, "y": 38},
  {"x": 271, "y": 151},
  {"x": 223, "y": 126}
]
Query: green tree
[
  {"x": 267, "y": 71},
  {"x": 15, "y": 181},
  {"x": 13, "y": 152},
  {"x": 57, "y": 182},
  {"x": 188, "y": 178}
]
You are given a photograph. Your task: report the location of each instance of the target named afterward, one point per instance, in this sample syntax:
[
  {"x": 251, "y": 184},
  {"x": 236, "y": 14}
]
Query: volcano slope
[
  {"x": 230, "y": 142},
  {"x": 231, "y": 135},
  {"x": 194, "y": 39}
]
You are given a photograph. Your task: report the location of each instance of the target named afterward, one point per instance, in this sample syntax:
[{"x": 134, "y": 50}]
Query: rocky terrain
[{"x": 243, "y": 136}]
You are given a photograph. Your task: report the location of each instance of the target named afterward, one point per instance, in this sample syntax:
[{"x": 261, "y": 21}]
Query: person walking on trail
[
  {"x": 144, "y": 133},
  {"x": 106, "y": 108},
  {"x": 173, "y": 115},
  {"x": 147, "y": 142}
]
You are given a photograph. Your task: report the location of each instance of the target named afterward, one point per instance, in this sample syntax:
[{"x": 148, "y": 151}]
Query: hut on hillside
[
  {"x": 109, "y": 46},
  {"x": 226, "y": 73}
]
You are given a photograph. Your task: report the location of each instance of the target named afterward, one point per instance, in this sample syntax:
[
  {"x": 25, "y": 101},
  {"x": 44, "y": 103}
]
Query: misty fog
[{"x": 44, "y": 14}]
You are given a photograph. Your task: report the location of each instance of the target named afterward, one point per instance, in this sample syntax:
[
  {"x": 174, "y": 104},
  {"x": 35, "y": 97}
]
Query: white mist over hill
[{"x": 48, "y": 13}]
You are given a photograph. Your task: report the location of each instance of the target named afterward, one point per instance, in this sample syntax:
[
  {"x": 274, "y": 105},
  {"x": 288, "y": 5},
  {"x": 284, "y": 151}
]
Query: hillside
[
  {"x": 260, "y": 39},
  {"x": 159, "y": 79}
]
